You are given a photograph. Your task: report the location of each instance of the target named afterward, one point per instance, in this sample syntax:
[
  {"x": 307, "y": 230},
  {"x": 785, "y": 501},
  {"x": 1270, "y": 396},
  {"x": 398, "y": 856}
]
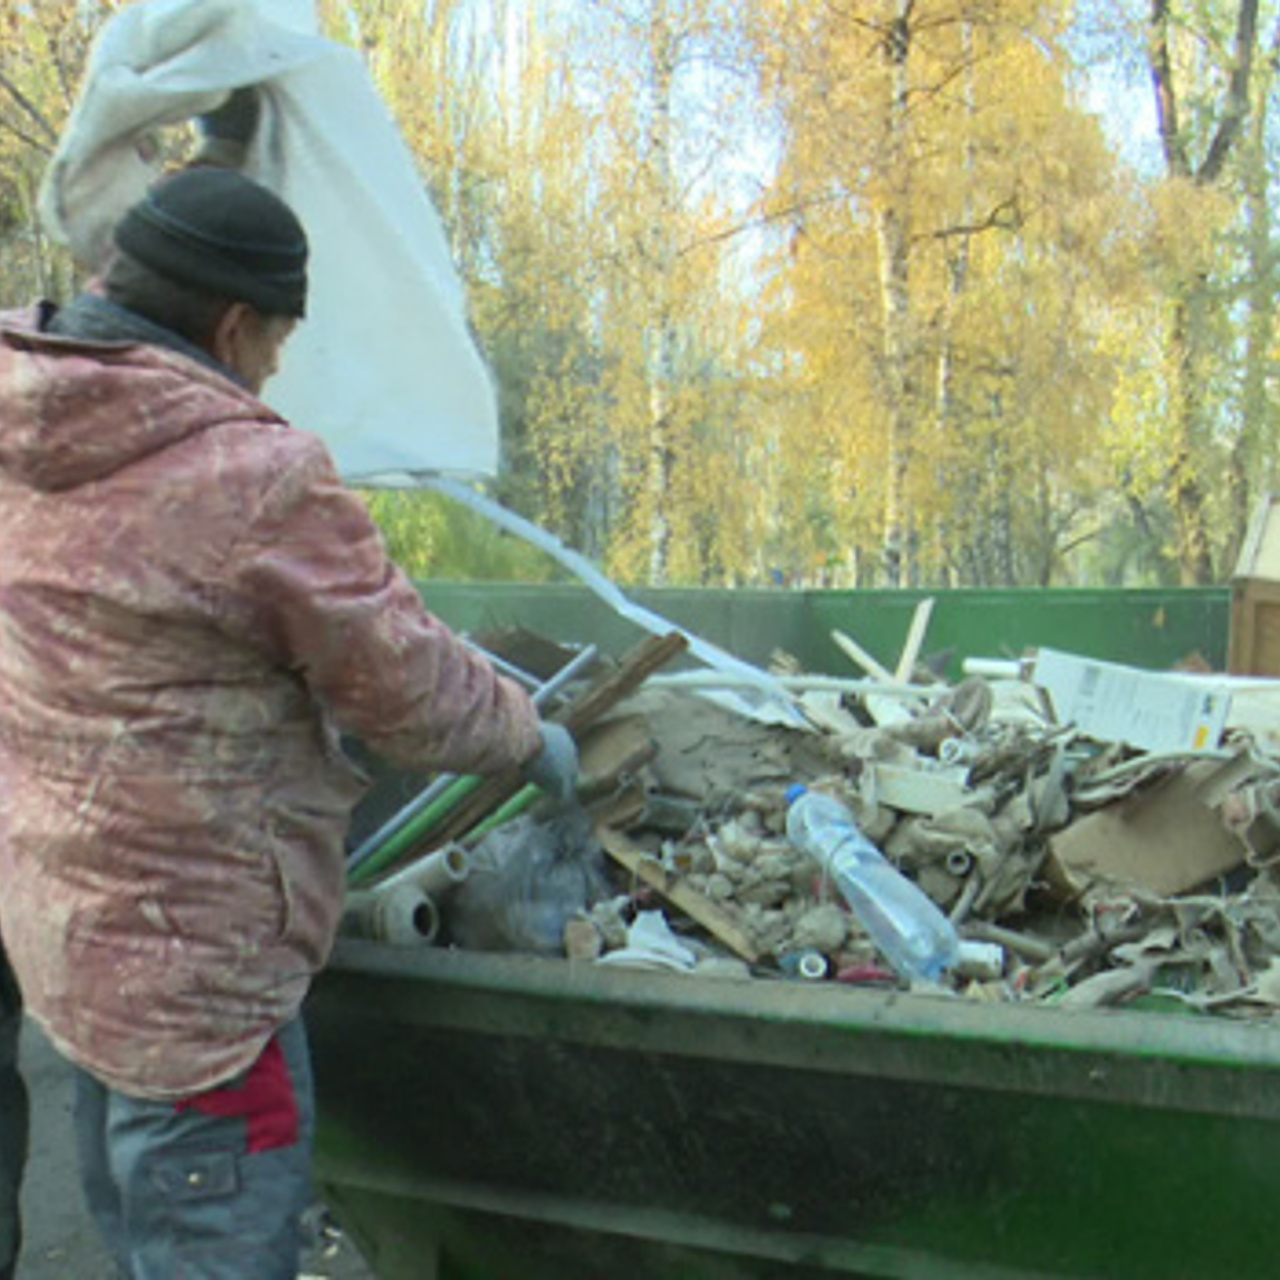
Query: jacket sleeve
[{"x": 310, "y": 583}]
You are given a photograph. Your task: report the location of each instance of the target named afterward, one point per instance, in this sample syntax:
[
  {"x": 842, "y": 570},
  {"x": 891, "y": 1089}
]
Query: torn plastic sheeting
[
  {"x": 380, "y": 265},
  {"x": 652, "y": 945},
  {"x": 772, "y": 703},
  {"x": 527, "y": 880}
]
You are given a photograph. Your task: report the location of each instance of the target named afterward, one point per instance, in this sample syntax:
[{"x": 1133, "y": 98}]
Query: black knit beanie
[{"x": 218, "y": 230}]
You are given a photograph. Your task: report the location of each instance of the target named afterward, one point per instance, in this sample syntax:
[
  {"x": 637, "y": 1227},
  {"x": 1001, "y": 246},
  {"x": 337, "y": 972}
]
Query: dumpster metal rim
[{"x": 1209, "y": 1064}]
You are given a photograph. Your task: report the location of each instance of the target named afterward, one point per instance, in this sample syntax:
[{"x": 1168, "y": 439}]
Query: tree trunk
[
  {"x": 1186, "y": 341},
  {"x": 1254, "y": 446},
  {"x": 1186, "y": 493},
  {"x": 894, "y": 236},
  {"x": 661, "y": 372},
  {"x": 946, "y": 412}
]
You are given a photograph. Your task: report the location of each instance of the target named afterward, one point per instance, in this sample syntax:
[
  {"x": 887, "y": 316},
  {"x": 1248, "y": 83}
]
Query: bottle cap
[
  {"x": 795, "y": 791},
  {"x": 807, "y": 963}
]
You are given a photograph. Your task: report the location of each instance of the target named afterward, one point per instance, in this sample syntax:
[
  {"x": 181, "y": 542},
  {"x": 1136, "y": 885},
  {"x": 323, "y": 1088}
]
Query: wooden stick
[
  {"x": 855, "y": 651},
  {"x": 697, "y": 906},
  {"x": 915, "y": 638},
  {"x": 650, "y": 655}
]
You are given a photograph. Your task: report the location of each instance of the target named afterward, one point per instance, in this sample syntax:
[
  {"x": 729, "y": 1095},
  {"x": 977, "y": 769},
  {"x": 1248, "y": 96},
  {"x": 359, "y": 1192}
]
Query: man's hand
[
  {"x": 226, "y": 131},
  {"x": 555, "y": 767}
]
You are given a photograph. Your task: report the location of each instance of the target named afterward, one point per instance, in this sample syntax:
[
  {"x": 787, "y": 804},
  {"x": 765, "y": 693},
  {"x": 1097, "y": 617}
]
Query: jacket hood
[{"x": 75, "y": 411}]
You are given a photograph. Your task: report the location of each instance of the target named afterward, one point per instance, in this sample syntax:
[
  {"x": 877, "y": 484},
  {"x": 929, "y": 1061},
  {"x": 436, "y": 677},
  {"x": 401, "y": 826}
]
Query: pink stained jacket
[{"x": 190, "y": 602}]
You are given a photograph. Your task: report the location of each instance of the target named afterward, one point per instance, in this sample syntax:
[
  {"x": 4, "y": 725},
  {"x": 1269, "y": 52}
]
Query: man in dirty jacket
[{"x": 191, "y": 607}]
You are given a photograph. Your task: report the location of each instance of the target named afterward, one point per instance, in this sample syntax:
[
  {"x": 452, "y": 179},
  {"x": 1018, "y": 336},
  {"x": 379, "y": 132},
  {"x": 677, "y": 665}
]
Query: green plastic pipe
[
  {"x": 414, "y": 831},
  {"x": 513, "y": 808}
]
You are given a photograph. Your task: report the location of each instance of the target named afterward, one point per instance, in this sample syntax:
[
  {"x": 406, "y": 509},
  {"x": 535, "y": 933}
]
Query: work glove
[
  {"x": 555, "y": 768},
  {"x": 226, "y": 131}
]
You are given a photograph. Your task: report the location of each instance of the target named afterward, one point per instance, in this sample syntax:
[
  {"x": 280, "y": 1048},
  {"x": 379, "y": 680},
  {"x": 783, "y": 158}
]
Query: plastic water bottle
[{"x": 901, "y": 919}]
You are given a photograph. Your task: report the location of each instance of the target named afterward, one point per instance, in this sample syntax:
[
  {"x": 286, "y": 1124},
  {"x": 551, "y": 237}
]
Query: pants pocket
[{"x": 188, "y": 1178}]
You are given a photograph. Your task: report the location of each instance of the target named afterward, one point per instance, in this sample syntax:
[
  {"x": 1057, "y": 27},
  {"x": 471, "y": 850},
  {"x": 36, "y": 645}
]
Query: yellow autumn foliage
[{"x": 941, "y": 328}]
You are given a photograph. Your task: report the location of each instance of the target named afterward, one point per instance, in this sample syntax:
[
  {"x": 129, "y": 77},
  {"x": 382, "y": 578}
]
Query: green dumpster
[{"x": 497, "y": 1117}]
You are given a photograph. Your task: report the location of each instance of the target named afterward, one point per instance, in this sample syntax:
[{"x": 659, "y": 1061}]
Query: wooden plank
[
  {"x": 621, "y": 808},
  {"x": 697, "y": 906},
  {"x": 915, "y": 638},
  {"x": 611, "y": 749},
  {"x": 852, "y": 649},
  {"x": 883, "y": 710},
  {"x": 650, "y": 655},
  {"x": 1254, "y": 641}
]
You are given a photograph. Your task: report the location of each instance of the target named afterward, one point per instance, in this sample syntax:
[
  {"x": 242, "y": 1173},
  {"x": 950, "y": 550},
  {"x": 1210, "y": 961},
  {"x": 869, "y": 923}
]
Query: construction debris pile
[{"x": 1096, "y": 834}]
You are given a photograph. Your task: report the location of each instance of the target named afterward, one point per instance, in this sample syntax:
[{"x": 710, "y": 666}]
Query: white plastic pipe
[
  {"x": 993, "y": 668},
  {"x": 435, "y": 874},
  {"x": 706, "y": 679},
  {"x": 404, "y": 917},
  {"x": 982, "y": 960}
]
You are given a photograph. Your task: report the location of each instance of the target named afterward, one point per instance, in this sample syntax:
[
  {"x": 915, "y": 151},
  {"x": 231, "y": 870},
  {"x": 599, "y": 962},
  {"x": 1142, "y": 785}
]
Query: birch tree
[
  {"x": 655, "y": 138},
  {"x": 1254, "y": 465},
  {"x": 939, "y": 142},
  {"x": 1202, "y": 97}
]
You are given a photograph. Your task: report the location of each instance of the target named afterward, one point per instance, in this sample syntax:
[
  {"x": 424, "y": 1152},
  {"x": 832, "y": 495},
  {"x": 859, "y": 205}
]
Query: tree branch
[
  {"x": 1073, "y": 544},
  {"x": 27, "y": 139},
  {"x": 1005, "y": 216},
  {"x": 32, "y": 111},
  {"x": 1236, "y": 95},
  {"x": 1166, "y": 98},
  {"x": 764, "y": 220}
]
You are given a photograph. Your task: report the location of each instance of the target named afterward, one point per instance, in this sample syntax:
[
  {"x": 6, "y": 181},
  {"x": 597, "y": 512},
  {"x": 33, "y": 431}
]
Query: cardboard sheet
[
  {"x": 1167, "y": 838},
  {"x": 1150, "y": 710}
]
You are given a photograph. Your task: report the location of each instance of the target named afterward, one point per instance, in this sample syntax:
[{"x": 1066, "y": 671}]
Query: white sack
[{"x": 384, "y": 367}]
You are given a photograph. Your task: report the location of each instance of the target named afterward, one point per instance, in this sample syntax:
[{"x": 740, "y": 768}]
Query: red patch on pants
[{"x": 264, "y": 1099}]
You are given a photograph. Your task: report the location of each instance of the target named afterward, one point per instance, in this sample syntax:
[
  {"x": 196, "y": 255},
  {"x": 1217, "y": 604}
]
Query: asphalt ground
[{"x": 61, "y": 1243}]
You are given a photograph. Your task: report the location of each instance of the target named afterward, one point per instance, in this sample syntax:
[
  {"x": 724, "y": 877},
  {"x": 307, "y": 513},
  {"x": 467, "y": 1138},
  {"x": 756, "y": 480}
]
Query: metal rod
[
  {"x": 574, "y": 667},
  {"x": 370, "y": 845},
  {"x": 507, "y": 668}
]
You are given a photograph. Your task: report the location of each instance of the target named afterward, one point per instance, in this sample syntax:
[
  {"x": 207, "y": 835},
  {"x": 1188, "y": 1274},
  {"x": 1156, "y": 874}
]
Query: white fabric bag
[{"x": 384, "y": 367}]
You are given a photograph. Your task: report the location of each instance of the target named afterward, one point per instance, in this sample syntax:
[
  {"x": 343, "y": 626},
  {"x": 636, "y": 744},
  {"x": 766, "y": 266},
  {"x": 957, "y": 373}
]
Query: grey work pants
[
  {"x": 210, "y": 1188},
  {"x": 13, "y": 1121}
]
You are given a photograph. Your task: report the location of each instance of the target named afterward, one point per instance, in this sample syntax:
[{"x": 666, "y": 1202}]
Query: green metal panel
[
  {"x": 1150, "y": 628},
  {"x": 1154, "y": 628},
  {"x": 750, "y": 624},
  {"x": 556, "y": 1122}
]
